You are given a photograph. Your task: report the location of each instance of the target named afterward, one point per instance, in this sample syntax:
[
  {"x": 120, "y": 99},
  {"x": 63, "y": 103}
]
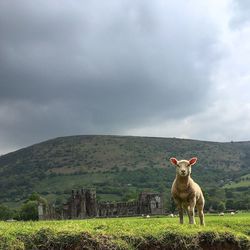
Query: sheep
[
  {"x": 221, "y": 214},
  {"x": 171, "y": 215},
  {"x": 186, "y": 193},
  {"x": 232, "y": 213}
]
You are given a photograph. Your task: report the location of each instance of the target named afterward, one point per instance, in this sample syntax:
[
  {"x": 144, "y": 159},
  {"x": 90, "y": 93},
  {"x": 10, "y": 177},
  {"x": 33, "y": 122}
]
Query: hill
[{"x": 119, "y": 167}]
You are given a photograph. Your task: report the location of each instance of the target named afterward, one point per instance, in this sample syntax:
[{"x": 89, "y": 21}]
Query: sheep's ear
[
  {"x": 192, "y": 161},
  {"x": 173, "y": 161}
]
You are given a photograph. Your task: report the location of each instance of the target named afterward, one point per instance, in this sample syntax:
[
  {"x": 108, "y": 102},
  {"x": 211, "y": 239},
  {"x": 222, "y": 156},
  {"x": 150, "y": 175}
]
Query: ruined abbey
[{"x": 83, "y": 204}]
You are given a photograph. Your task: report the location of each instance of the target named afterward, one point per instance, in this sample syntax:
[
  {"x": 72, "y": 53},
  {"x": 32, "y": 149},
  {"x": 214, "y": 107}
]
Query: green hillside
[
  {"x": 243, "y": 181},
  {"x": 120, "y": 167}
]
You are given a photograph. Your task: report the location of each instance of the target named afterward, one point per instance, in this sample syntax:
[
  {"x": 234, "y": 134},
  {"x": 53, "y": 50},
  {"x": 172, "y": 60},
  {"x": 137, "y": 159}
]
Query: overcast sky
[{"x": 150, "y": 68}]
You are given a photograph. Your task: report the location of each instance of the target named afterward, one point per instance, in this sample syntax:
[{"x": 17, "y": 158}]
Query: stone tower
[
  {"x": 156, "y": 203},
  {"x": 151, "y": 203},
  {"x": 82, "y": 208},
  {"x": 91, "y": 204},
  {"x": 77, "y": 204}
]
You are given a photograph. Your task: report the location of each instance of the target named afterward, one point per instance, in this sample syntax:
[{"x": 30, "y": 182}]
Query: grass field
[
  {"x": 244, "y": 181},
  {"x": 227, "y": 232}
]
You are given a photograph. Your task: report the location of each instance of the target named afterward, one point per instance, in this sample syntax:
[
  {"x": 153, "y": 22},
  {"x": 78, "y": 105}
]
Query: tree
[
  {"x": 221, "y": 206},
  {"x": 29, "y": 211},
  {"x": 230, "y": 204},
  {"x": 5, "y": 213},
  {"x": 229, "y": 193},
  {"x": 36, "y": 197}
]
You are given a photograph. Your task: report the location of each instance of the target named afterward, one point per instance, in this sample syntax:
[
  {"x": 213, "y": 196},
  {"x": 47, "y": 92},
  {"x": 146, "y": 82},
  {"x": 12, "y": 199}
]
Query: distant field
[
  {"x": 238, "y": 184},
  {"x": 228, "y": 232},
  {"x": 244, "y": 181}
]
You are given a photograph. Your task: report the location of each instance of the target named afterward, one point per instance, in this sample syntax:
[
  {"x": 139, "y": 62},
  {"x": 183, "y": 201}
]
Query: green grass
[
  {"x": 127, "y": 233},
  {"x": 244, "y": 181},
  {"x": 238, "y": 184}
]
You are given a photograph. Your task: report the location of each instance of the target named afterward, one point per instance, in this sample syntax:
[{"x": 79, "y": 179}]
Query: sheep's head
[{"x": 183, "y": 167}]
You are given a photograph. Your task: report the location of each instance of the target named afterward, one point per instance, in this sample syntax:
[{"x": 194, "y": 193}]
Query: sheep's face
[{"x": 183, "y": 167}]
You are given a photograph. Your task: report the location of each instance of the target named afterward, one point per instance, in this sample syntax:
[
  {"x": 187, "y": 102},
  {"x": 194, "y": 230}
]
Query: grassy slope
[
  {"x": 243, "y": 181},
  {"x": 54, "y": 167},
  {"x": 127, "y": 233}
]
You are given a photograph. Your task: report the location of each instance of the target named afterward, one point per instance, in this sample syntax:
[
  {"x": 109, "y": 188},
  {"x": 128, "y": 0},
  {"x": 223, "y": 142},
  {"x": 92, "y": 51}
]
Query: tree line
[{"x": 27, "y": 211}]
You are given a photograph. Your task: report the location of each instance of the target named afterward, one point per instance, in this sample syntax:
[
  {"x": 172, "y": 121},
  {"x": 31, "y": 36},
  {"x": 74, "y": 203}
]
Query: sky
[{"x": 120, "y": 67}]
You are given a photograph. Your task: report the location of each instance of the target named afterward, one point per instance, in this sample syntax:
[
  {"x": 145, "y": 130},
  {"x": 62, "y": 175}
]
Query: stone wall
[{"x": 83, "y": 204}]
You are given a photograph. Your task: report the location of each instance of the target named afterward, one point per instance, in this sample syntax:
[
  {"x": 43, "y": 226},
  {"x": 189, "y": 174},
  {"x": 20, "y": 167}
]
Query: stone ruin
[{"x": 83, "y": 204}]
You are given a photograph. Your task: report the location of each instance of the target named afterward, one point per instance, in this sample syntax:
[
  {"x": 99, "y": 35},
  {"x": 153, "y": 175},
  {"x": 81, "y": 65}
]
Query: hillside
[{"x": 119, "y": 167}]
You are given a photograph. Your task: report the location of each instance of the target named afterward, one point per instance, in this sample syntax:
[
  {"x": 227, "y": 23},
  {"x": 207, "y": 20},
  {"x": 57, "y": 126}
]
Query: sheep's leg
[
  {"x": 191, "y": 212},
  {"x": 201, "y": 214},
  {"x": 185, "y": 207},
  {"x": 188, "y": 214},
  {"x": 180, "y": 208}
]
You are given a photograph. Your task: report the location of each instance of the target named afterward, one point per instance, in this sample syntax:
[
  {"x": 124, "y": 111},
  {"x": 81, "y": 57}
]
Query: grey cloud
[
  {"x": 95, "y": 67},
  {"x": 241, "y": 10}
]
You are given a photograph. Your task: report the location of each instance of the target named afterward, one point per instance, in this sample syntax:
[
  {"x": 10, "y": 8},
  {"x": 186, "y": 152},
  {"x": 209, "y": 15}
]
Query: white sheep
[
  {"x": 232, "y": 213},
  {"x": 186, "y": 193},
  {"x": 171, "y": 215},
  {"x": 221, "y": 214}
]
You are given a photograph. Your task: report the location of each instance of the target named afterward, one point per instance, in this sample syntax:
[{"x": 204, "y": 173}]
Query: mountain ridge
[{"x": 110, "y": 163}]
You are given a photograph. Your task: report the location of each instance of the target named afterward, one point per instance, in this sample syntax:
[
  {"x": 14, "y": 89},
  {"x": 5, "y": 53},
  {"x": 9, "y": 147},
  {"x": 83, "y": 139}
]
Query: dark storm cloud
[{"x": 70, "y": 67}]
